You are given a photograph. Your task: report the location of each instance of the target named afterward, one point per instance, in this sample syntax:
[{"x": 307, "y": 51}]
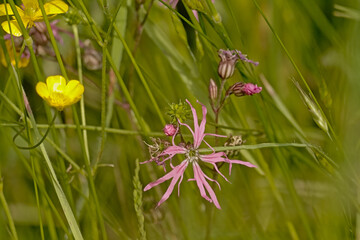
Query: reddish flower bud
[
  {"x": 170, "y": 130},
  {"x": 250, "y": 89},
  {"x": 240, "y": 89}
]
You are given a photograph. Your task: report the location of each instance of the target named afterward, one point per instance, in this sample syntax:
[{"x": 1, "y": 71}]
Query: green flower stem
[
  {"x": 38, "y": 181},
  {"x": 53, "y": 41},
  {"x": 27, "y": 39},
  {"x": 104, "y": 86},
  {"x": 43, "y": 191},
  {"x": 11, "y": 104},
  {"x": 83, "y": 138},
  {"x": 141, "y": 76},
  {"x": 189, "y": 23},
  {"x": 256, "y": 146},
  {"x": 66, "y": 157},
  {"x": 9, "y": 82},
  {"x": 93, "y": 128},
  {"x": 61, "y": 196},
  {"x": 300, "y": 74},
  {"x": 33, "y": 163},
  {"x": 90, "y": 178},
  {"x": 127, "y": 95},
  {"x": 37, "y": 199},
  {"x": 91, "y": 22},
  {"x": 106, "y": 110},
  {"x": 218, "y": 27},
  {"x": 80, "y": 73},
  {"x": 7, "y": 211}
]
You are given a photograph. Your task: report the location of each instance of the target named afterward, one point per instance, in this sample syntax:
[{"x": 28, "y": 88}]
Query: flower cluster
[
  {"x": 29, "y": 14},
  {"x": 59, "y": 94},
  {"x": 195, "y": 159},
  {"x": 56, "y": 92}
]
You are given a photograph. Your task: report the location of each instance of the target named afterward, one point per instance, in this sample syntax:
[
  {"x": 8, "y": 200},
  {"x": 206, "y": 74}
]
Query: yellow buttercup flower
[
  {"x": 30, "y": 14},
  {"x": 23, "y": 59},
  {"x": 58, "y": 94}
]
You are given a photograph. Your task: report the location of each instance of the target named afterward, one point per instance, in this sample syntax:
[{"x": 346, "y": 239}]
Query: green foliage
[{"x": 82, "y": 181}]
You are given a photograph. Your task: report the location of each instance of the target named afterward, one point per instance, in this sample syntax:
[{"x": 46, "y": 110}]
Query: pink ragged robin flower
[{"x": 193, "y": 157}]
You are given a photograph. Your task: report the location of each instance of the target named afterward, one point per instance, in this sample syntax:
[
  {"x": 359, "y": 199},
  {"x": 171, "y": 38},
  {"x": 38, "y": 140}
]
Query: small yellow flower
[
  {"x": 58, "y": 94},
  {"x": 30, "y": 14},
  {"x": 23, "y": 59}
]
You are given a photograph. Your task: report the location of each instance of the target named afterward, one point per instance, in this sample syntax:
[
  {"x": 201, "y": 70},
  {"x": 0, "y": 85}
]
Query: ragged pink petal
[
  {"x": 178, "y": 172},
  {"x": 239, "y": 162},
  {"x": 172, "y": 150},
  {"x": 175, "y": 173},
  {"x": 214, "y": 157},
  {"x": 201, "y": 182},
  {"x": 198, "y": 133}
]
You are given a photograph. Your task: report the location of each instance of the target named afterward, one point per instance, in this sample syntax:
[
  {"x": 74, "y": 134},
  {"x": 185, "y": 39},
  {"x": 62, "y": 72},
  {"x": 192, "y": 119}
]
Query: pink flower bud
[
  {"x": 241, "y": 89},
  {"x": 170, "y": 130},
  {"x": 250, "y": 89}
]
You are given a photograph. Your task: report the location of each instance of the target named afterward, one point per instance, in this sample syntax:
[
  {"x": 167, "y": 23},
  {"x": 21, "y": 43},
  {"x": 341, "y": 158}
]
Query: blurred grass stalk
[
  {"x": 14, "y": 235},
  {"x": 60, "y": 193}
]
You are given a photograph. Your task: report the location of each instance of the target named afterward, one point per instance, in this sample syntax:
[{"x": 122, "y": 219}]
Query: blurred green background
[{"x": 295, "y": 193}]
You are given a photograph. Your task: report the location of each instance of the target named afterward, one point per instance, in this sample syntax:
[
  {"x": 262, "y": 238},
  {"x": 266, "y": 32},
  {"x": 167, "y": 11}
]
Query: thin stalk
[
  {"x": 113, "y": 66},
  {"x": 27, "y": 39},
  {"x": 219, "y": 28},
  {"x": 189, "y": 23},
  {"x": 7, "y": 211},
  {"x": 53, "y": 41},
  {"x": 103, "y": 107},
  {"x": 83, "y": 139},
  {"x": 92, "y": 128},
  {"x": 37, "y": 199},
  {"x": 299, "y": 73},
  {"x": 61, "y": 196},
  {"x": 141, "y": 76},
  {"x": 90, "y": 177},
  {"x": 43, "y": 190},
  {"x": 106, "y": 110},
  {"x": 80, "y": 73}
]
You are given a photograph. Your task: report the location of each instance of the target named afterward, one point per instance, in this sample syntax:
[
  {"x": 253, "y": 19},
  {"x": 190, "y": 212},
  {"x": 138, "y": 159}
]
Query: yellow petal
[
  {"x": 42, "y": 90},
  {"x": 56, "y": 7},
  {"x": 24, "y": 61},
  {"x": 56, "y": 83},
  {"x": 9, "y": 10},
  {"x": 15, "y": 29},
  {"x": 74, "y": 90},
  {"x": 31, "y": 4}
]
